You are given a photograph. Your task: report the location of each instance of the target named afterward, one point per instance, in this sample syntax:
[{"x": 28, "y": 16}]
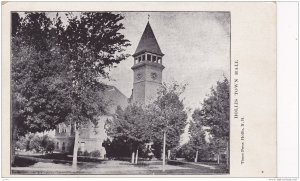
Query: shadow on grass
[
  {"x": 172, "y": 162},
  {"x": 23, "y": 162},
  {"x": 219, "y": 169},
  {"x": 57, "y": 158}
]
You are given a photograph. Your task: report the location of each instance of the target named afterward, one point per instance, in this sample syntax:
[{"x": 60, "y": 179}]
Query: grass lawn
[{"x": 51, "y": 165}]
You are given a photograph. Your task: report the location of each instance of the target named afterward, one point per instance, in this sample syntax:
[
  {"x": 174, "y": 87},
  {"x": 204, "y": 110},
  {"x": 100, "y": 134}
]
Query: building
[
  {"x": 91, "y": 136},
  {"x": 147, "y": 71},
  {"x": 147, "y": 68}
]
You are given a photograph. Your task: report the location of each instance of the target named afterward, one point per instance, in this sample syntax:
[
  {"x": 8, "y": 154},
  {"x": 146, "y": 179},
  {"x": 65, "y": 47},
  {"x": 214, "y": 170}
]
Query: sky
[{"x": 196, "y": 47}]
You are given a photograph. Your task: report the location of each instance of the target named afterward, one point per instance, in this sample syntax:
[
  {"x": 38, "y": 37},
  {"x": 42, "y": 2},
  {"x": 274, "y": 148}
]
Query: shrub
[
  {"x": 35, "y": 142},
  {"x": 86, "y": 153},
  {"x": 79, "y": 153},
  {"x": 95, "y": 153}
]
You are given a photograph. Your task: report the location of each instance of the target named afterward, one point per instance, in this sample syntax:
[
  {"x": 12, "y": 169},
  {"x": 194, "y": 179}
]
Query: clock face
[
  {"x": 139, "y": 76},
  {"x": 153, "y": 75}
]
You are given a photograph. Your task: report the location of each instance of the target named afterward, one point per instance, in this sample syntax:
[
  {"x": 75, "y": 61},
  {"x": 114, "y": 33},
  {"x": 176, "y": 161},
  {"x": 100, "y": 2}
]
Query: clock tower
[{"x": 147, "y": 68}]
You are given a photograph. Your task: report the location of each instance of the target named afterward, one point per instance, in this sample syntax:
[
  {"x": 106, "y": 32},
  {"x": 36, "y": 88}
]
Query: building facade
[{"x": 91, "y": 136}]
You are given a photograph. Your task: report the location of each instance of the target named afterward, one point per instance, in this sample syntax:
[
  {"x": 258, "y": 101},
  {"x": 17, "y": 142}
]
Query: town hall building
[{"x": 147, "y": 71}]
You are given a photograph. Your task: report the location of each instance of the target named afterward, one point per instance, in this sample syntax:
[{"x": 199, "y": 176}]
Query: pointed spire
[{"x": 148, "y": 43}]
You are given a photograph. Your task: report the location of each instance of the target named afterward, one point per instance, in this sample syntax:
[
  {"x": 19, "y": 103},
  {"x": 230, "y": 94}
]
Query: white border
[{"x": 287, "y": 89}]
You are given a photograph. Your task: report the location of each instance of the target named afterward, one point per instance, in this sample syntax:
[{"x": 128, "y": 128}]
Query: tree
[
  {"x": 214, "y": 115},
  {"x": 197, "y": 137},
  {"x": 197, "y": 147},
  {"x": 37, "y": 101},
  {"x": 65, "y": 66},
  {"x": 167, "y": 118},
  {"x": 128, "y": 127},
  {"x": 92, "y": 43}
]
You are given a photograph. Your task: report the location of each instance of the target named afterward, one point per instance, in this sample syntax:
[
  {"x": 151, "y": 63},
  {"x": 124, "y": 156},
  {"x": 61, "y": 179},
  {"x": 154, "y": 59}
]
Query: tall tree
[
  {"x": 197, "y": 136},
  {"x": 37, "y": 104},
  {"x": 92, "y": 43},
  {"x": 167, "y": 118},
  {"x": 215, "y": 114}
]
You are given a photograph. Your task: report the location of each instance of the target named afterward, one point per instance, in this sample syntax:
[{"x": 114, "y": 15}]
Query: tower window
[
  {"x": 149, "y": 57},
  {"x": 154, "y": 58},
  {"x": 139, "y": 59}
]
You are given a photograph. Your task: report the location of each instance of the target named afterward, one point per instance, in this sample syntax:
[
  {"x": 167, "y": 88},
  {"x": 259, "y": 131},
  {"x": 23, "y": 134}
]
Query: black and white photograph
[{"x": 120, "y": 92}]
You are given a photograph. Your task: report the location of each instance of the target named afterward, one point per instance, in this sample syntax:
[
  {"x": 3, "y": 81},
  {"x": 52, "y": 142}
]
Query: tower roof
[{"x": 148, "y": 43}]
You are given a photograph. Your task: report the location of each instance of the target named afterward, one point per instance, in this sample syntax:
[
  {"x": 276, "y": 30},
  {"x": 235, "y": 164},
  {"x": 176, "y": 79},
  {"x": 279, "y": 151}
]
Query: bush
[
  {"x": 35, "y": 142},
  {"x": 86, "y": 153},
  {"x": 95, "y": 153},
  {"x": 79, "y": 153}
]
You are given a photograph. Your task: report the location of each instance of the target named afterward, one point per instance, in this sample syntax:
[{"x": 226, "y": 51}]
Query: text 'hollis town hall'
[{"x": 147, "y": 71}]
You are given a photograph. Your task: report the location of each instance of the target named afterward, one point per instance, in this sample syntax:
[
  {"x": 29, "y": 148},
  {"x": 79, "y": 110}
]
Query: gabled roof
[
  {"x": 115, "y": 98},
  {"x": 148, "y": 43}
]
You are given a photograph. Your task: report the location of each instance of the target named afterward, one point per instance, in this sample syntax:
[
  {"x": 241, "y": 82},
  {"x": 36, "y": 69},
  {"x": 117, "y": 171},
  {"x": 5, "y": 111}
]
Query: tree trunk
[
  {"x": 136, "y": 156},
  {"x": 169, "y": 154},
  {"x": 218, "y": 158},
  {"x": 196, "y": 158},
  {"x": 164, "y": 152},
  {"x": 132, "y": 157},
  {"x": 75, "y": 150},
  {"x": 13, "y": 145}
]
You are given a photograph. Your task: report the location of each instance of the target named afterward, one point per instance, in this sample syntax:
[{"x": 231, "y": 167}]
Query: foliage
[
  {"x": 215, "y": 110},
  {"x": 118, "y": 147},
  {"x": 186, "y": 151},
  {"x": 127, "y": 128},
  {"x": 37, "y": 143},
  {"x": 167, "y": 113},
  {"x": 36, "y": 103},
  {"x": 212, "y": 118},
  {"x": 92, "y": 43},
  {"x": 95, "y": 153}
]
